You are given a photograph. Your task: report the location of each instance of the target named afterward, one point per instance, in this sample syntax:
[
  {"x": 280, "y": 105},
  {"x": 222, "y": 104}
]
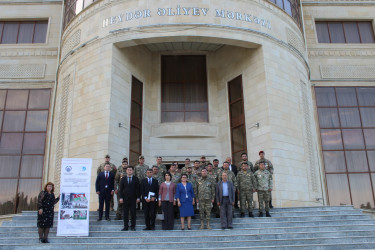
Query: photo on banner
[{"x": 73, "y": 218}]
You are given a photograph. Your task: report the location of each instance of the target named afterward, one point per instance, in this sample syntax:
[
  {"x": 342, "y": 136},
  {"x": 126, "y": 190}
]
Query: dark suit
[
  {"x": 129, "y": 192},
  {"x": 149, "y": 207},
  {"x": 105, "y": 186},
  {"x": 226, "y": 213},
  {"x": 234, "y": 169}
]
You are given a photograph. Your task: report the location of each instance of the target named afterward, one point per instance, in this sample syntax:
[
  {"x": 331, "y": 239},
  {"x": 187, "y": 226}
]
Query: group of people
[{"x": 204, "y": 186}]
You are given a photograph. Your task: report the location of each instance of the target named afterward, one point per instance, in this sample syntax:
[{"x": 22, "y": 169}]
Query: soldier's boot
[
  {"x": 208, "y": 225},
  {"x": 202, "y": 225},
  {"x": 242, "y": 215},
  {"x": 251, "y": 214},
  {"x": 268, "y": 214},
  {"x": 260, "y": 214},
  {"x": 271, "y": 204}
]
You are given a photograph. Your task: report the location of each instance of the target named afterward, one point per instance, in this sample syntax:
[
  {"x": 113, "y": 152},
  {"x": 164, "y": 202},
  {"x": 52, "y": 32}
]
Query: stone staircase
[{"x": 329, "y": 227}]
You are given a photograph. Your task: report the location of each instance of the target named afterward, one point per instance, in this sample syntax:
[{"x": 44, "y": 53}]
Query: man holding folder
[{"x": 149, "y": 193}]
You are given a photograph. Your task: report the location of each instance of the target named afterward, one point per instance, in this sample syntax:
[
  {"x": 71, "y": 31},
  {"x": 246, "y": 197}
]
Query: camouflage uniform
[
  {"x": 231, "y": 176},
  {"x": 263, "y": 185},
  {"x": 246, "y": 185},
  {"x": 251, "y": 167},
  {"x": 140, "y": 171},
  {"x": 197, "y": 171},
  {"x": 159, "y": 177},
  {"x": 183, "y": 169},
  {"x": 205, "y": 195},
  {"x": 113, "y": 170},
  {"x": 175, "y": 178},
  {"x": 267, "y": 166},
  {"x": 121, "y": 172},
  {"x": 162, "y": 169},
  {"x": 213, "y": 178}
]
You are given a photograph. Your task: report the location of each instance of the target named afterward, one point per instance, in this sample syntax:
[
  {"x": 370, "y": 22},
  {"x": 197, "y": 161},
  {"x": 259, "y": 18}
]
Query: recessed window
[
  {"x": 344, "y": 32},
  {"x": 184, "y": 89},
  {"x": 12, "y": 32}
]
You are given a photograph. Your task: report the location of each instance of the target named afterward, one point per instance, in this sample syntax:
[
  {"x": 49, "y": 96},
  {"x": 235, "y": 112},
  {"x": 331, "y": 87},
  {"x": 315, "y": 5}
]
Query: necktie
[
  {"x": 149, "y": 181},
  {"x": 106, "y": 175},
  {"x": 128, "y": 180}
]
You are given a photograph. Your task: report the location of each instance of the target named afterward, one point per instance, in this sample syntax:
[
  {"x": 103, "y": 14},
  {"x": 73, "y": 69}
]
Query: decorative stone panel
[
  {"x": 347, "y": 71},
  {"x": 71, "y": 42},
  {"x": 22, "y": 71},
  {"x": 296, "y": 42}
]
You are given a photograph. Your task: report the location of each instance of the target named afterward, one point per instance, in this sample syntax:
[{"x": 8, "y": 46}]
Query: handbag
[{"x": 160, "y": 216}]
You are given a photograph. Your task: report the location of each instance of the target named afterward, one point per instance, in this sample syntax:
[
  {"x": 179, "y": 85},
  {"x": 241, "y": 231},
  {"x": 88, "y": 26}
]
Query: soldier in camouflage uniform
[
  {"x": 205, "y": 197},
  {"x": 212, "y": 176},
  {"x": 246, "y": 187},
  {"x": 175, "y": 178},
  {"x": 157, "y": 175},
  {"x": 121, "y": 172},
  {"x": 231, "y": 176},
  {"x": 245, "y": 159},
  {"x": 161, "y": 166},
  {"x": 264, "y": 187},
  {"x": 268, "y": 166},
  {"x": 215, "y": 166},
  {"x": 203, "y": 162},
  {"x": 187, "y": 163},
  {"x": 140, "y": 172},
  {"x": 113, "y": 169},
  {"x": 197, "y": 170}
]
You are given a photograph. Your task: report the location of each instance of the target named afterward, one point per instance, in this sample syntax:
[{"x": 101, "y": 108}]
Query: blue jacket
[{"x": 181, "y": 193}]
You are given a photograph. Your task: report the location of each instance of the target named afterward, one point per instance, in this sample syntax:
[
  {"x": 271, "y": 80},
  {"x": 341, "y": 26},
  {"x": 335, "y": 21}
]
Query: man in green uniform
[
  {"x": 215, "y": 165},
  {"x": 157, "y": 175},
  {"x": 140, "y": 172},
  {"x": 113, "y": 169},
  {"x": 121, "y": 172},
  {"x": 212, "y": 176},
  {"x": 187, "y": 164},
  {"x": 245, "y": 159},
  {"x": 268, "y": 166},
  {"x": 264, "y": 187},
  {"x": 197, "y": 169},
  {"x": 203, "y": 162},
  {"x": 246, "y": 187},
  {"x": 205, "y": 197},
  {"x": 160, "y": 165}
]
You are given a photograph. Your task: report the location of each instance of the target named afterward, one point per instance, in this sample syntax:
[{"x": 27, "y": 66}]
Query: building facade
[{"x": 80, "y": 79}]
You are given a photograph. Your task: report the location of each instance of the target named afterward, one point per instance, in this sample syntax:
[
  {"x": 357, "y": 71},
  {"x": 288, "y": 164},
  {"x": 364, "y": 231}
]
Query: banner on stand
[{"x": 75, "y": 183}]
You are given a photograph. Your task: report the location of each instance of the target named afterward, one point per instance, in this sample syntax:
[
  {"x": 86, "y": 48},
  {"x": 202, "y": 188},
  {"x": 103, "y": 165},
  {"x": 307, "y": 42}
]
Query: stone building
[{"x": 83, "y": 78}]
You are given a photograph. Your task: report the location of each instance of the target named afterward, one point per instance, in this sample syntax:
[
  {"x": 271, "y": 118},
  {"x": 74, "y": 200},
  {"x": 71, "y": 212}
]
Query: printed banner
[{"x": 75, "y": 182}]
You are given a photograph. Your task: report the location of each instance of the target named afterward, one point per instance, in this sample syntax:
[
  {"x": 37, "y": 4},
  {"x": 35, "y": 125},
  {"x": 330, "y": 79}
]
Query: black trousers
[
  {"x": 104, "y": 197},
  {"x": 129, "y": 205},
  {"x": 150, "y": 214},
  {"x": 168, "y": 222}
]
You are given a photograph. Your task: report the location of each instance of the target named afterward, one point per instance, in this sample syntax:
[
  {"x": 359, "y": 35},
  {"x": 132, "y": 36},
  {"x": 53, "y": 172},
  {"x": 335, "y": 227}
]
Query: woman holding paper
[
  {"x": 185, "y": 199},
  {"x": 46, "y": 202}
]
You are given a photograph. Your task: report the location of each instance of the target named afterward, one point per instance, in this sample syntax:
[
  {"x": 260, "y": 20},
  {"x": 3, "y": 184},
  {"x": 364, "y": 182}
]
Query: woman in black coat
[{"x": 46, "y": 202}]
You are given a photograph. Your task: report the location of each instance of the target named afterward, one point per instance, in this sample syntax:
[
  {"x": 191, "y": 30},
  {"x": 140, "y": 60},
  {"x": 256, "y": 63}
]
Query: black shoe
[
  {"x": 271, "y": 204},
  {"x": 251, "y": 215},
  {"x": 146, "y": 229},
  {"x": 124, "y": 229},
  {"x": 108, "y": 219},
  {"x": 217, "y": 216},
  {"x": 45, "y": 241},
  {"x": 242, "y": 215},
  {"x": 132, "y": 228},
  {"x": 152, "y": 228},
  {"x": 223, "y": 228},
  {"x": 230, "y": 227},
  {"x": 193, "y": 217},
  {"x": 268, "y": 214},
  {"x": 99, "y": 219},
  {"x": 41, "y": 240},
  {"x": 260, "y": 214}
]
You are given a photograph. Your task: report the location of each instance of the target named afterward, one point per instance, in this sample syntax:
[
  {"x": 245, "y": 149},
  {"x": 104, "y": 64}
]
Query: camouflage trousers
[
  {"x": 246, "y": 200},
  {"x": 264, "y": 198},
  {"x": 205, "y": 209}
]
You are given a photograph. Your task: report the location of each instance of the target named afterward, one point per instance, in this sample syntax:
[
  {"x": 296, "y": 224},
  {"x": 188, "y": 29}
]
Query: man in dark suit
[
  {"x": 149, "y": 194},
  {"x": 225, "y": 200},
  {"x": 105, "y": 188},
  {"x": 129, "y": 197}
]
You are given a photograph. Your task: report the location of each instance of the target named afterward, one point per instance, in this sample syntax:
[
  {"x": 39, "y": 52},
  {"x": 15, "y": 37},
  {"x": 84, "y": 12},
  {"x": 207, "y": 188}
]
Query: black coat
[
  {"x": 146, "y": 188},
  {"x": 101, "y": 182},
  {"x": 129, "y": 191}
]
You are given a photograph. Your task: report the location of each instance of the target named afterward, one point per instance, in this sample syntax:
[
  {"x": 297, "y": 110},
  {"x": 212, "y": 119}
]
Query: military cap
[
  {"x": 141, "y": 157},
  {"x": 107, "y": 156}
]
